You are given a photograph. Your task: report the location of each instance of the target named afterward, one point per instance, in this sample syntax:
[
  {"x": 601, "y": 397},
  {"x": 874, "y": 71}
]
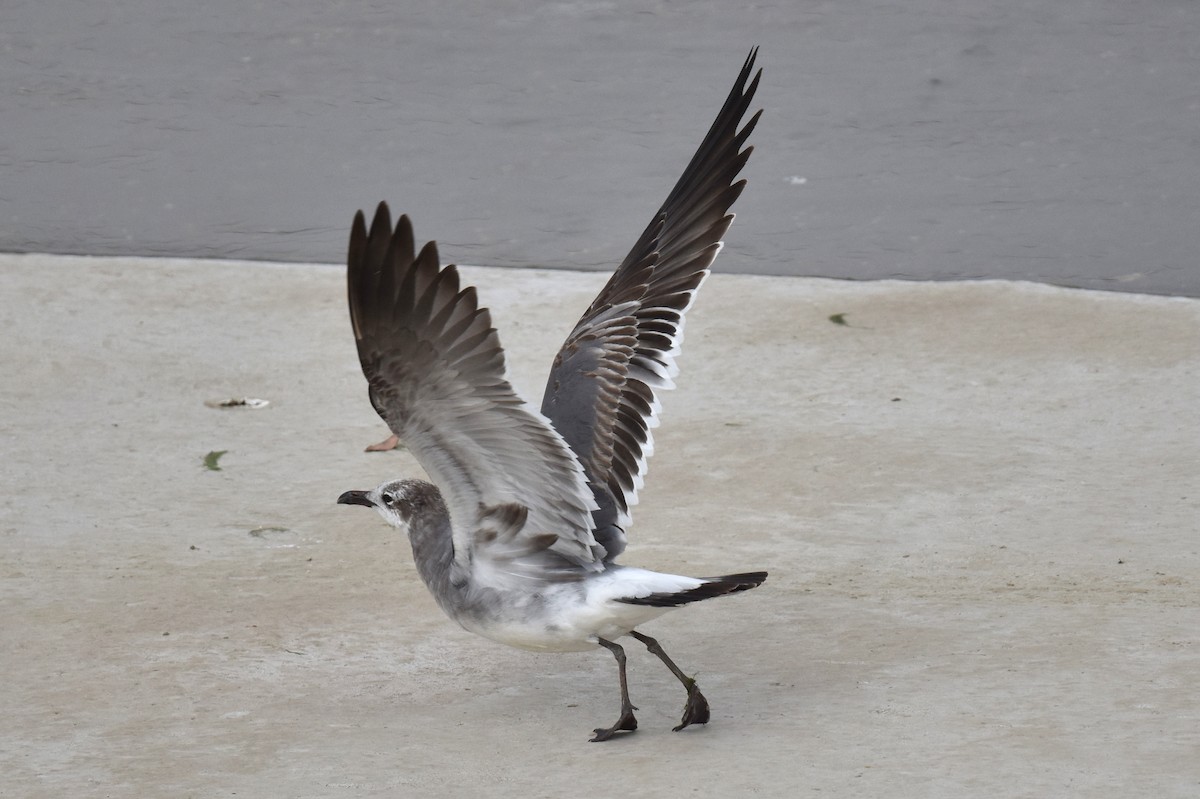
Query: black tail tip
[
  {"x": 740, "y": 582},
  {"x": 711, "y": 587},
  {"x": 753, "y": 578}
]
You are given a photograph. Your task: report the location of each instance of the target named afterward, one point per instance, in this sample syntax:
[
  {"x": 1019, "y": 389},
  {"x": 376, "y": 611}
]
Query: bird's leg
[
  {"x": 695, "y": 711},
  {"x": 626, "y": 721}
]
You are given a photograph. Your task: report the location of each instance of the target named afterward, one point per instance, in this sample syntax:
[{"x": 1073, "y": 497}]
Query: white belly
[{"x": 565, "y": 621}]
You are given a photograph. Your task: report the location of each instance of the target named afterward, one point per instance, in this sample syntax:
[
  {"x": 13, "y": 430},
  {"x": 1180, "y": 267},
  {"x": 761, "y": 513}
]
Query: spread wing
[
  {"x": 437, "y": 378},
  {"x": 604, "y": 386}
]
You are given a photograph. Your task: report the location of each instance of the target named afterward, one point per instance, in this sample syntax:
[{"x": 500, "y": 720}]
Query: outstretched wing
[
  {"x": 437, "y": 378},
  {"x": 602, "y": 394}
]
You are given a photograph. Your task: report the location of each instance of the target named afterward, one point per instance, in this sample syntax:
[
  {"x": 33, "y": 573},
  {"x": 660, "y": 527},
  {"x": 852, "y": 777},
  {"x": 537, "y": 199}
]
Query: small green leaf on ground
[
  {"x": 839, "y": 319},
  {"x": 210, "y": 460}
]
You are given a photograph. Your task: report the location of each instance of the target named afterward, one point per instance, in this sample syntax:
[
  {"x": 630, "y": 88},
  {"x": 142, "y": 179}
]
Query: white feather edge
[{"x": 668, "y": 357}]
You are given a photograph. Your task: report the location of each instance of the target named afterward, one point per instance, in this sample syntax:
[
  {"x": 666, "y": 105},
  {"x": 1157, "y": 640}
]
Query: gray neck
[{"x": 433, "y": 545}]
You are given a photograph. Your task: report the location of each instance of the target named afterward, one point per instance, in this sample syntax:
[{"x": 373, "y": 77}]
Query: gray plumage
[{"x": 517, "y": 533}]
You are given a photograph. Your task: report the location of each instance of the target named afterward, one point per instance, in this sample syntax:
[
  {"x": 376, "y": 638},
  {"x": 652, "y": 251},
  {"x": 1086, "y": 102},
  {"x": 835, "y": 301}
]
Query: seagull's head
[{"x": 396, "y": 500}]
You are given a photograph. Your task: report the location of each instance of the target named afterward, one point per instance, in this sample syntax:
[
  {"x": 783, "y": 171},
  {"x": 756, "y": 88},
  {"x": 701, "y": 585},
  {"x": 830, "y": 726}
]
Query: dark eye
[{"x": 388, "y": 499}]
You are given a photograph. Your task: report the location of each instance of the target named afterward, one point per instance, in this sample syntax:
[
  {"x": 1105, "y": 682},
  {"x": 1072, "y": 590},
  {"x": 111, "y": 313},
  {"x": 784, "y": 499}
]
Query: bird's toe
[{"x": 627, "y": 723}]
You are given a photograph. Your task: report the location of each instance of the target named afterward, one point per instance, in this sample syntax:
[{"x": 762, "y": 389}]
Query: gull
[{"x": 517, "y": 533}]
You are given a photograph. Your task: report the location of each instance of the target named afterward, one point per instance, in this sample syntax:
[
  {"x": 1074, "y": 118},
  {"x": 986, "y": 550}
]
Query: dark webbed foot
[
  {"x": 695, "y": 710},
  {"x": 627, "y": 723}
]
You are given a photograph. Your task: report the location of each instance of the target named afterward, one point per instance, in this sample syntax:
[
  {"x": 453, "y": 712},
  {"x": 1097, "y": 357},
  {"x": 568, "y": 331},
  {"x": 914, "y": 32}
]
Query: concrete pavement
[{"x": 977, "y": 501}]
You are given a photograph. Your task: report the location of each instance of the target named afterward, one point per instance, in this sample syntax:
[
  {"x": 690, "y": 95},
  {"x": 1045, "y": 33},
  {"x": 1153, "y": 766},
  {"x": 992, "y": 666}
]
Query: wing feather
[
  {"x": 602, "y": 398},
  {"x": 436, "y": 375}
]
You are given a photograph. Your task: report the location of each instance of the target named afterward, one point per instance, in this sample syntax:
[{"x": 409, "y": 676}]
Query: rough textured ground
[{"x": 978, "y": 504}]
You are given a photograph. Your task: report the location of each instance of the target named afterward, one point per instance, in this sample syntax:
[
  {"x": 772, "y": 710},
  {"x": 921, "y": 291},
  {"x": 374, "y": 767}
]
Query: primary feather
[{"x": 603, "y": 391}]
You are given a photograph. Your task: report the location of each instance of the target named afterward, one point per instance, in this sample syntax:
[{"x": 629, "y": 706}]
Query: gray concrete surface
[
  {"x": 978, "y": 504},
  {"x": 990, "y": 138}
]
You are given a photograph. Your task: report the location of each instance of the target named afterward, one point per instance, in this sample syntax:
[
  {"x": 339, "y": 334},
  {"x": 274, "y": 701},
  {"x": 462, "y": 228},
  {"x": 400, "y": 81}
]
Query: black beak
[{"x": 355, "y": 498}]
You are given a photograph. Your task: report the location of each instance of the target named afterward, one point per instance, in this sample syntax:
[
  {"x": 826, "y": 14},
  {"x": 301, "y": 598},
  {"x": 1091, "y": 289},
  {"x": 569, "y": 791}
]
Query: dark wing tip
[
  {"x": 382, "y": 220},
  {"x": 747, "y": 66},
  {"x": 428, "y": 256}
]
